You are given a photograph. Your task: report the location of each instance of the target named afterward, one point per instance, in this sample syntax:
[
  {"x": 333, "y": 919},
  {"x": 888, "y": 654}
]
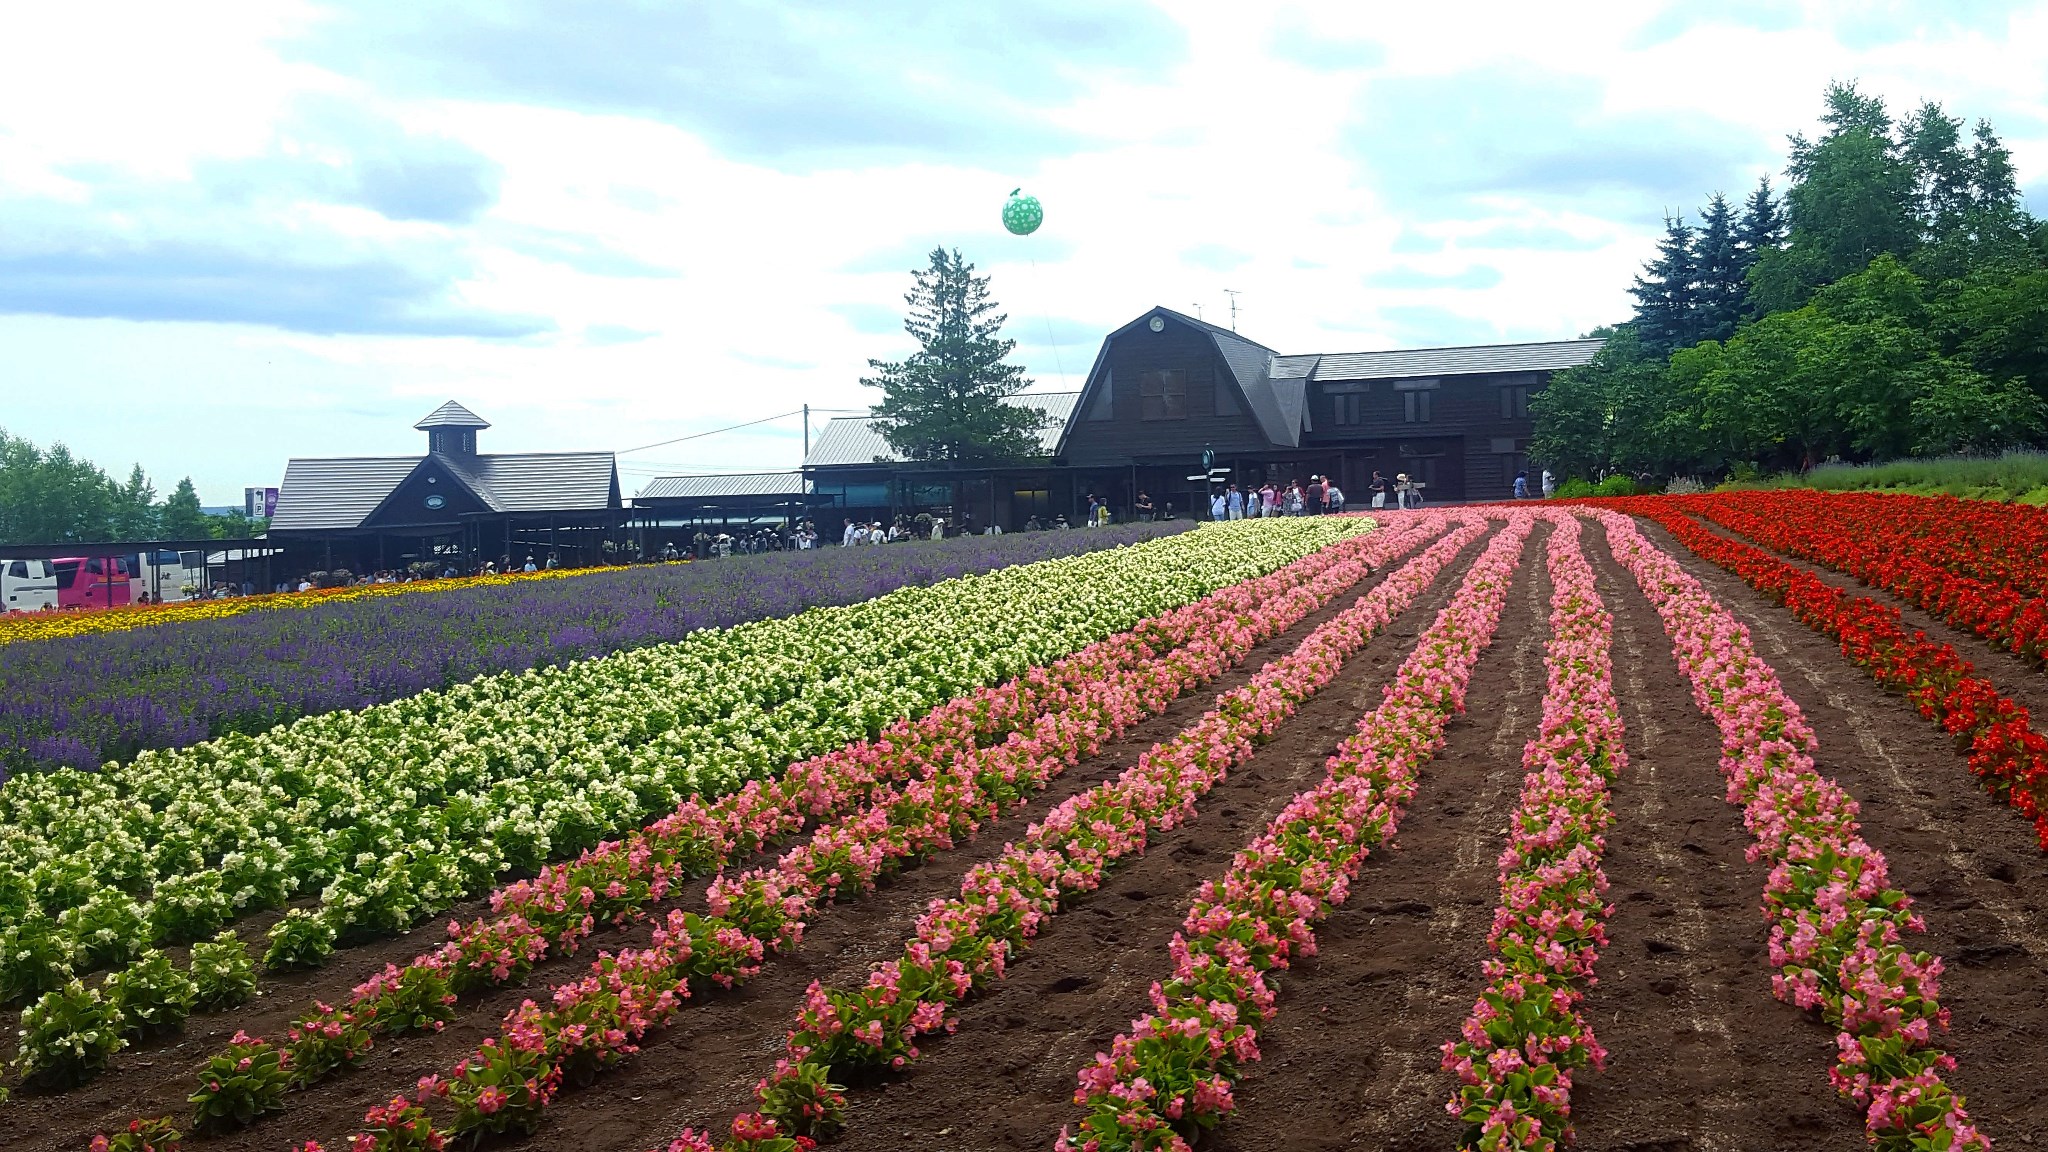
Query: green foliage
[
  {"x": 67, "y": 1037},
  {"x": 35, "y": 957},
  {"x": 303, "y": 939},
  {"x": 1576, "y": 489},
  {"x": 186, "y": 908},
  {"x": 240, "y": 1084},
  {"x": 109, "y": 928},
  {"x": 946, "y": 401},
  {"x": 2011, "y": 476},
  {"x": 1615, "y": 486},
  {"x": 150, "y": 995},
  {"x": 154, "y": 1135},
  {"x": 49, "y": 496},
  {"x": 222, "y": 973}
]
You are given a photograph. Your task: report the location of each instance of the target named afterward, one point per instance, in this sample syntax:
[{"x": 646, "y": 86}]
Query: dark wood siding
[
  {"x": 406, "y": 508},
  {"x": 1459, "y": 441},
  {"x": 1126, "y": 437}
]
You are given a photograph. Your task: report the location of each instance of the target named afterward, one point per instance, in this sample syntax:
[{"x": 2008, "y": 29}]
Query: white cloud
[{"x": 655, "y": 271}]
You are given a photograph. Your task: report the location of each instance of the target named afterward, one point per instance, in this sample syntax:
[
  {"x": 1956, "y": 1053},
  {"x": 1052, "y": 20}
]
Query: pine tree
[
  {"x": 135, "y": 515},
  {"x": 182, "y": 517},
  {"x": 1667, "y": 294},
  {"x": 1722, "y": 288},
  {"x": 946, "y": 402},
  {"x": 1762, "y": 227}
]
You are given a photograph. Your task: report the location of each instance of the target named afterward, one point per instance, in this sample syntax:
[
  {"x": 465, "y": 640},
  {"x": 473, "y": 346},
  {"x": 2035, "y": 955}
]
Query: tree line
[
  {"x": 49, "y": 496},
  {"x": 1893, "y": 302}
]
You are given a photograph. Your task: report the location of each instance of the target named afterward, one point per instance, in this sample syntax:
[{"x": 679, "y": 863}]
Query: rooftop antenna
[
  {"x": 1233, "y": 294},
  {"x": 1198, "y": 309}
]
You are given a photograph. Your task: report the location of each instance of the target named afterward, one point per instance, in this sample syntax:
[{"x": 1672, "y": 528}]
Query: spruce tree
[
  {"x": 1762, "y": 227},
  {"x": 946, "y": 402},
  {"x": 1721, "y": 285},
  {"x": 1667, "y": 294}
]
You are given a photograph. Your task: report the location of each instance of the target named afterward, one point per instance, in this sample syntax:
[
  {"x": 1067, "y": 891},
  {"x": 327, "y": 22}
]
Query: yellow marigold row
[{"x": 54, "y": 625}]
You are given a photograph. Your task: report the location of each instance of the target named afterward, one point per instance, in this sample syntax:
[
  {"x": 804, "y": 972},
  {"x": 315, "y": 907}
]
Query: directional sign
[{"x": 1208, "y": 460}]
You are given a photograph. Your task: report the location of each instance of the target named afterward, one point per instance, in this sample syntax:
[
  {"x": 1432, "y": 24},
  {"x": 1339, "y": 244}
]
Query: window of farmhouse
[
  {"x": 1416, "y": 406},
  {"x": 1163, "y": 395},
  {"x": 1347, "y": 407},
  {"x": 1514, "y": 402}
]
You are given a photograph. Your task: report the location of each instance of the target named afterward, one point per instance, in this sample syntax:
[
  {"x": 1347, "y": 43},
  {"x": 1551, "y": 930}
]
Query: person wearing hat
[{"x": 1402, "y": 489}]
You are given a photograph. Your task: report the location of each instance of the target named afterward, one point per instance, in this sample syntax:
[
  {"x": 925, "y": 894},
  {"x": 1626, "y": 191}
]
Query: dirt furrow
[
  {"x": 1973, "y": 867},
  {"x": 1350, "y": 1060},
  {"x": 1700, "y": 1056},
  {"x": 2014, "y": 676},
  {"x": 1007, "y": 1081},
  {"x": 703, "y": 1068},
  {"x": 157, "y": 1079}
]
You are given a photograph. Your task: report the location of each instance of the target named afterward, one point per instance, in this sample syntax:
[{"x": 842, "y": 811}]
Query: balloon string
[{"x": 1043, "y": 315}]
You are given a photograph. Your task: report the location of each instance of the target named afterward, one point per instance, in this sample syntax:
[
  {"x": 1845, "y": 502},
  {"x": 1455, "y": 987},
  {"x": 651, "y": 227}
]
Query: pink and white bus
[{"x": 93, "y": 581}]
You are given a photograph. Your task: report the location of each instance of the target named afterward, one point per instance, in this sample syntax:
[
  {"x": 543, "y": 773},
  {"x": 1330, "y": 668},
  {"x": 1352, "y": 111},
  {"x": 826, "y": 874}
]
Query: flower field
[
  {"x": 207, "y": 670},
  {"x": 1625, "y": 824}
]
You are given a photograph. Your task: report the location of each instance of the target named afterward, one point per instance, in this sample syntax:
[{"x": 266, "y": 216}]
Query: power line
[{"x": 730, "y": 428}]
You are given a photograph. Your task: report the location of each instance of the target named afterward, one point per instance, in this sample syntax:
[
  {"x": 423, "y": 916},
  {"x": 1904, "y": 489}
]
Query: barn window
[
  {"x": 1415, "y": 406},
  {"x": 1163, "y": 395},
  {"x": 1514, "y": 402},
  {"x": 1348, "y": 407}
]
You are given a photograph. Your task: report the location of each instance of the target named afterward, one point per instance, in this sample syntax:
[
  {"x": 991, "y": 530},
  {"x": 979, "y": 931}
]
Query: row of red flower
[
  {"x": 1837, "y": 925},
  {"x": 2005, "y": 750},
  {"x": 1172, "y": 1075},
  {"x": 962, "y": 943},
  {"x": 592, "y": 1023},
  {"x": 1527, "y": 1032},
  {"x": 618, "y": 881},
  {"x": 2006, "y": 544},
  {"x": 1919, "y": 570}
]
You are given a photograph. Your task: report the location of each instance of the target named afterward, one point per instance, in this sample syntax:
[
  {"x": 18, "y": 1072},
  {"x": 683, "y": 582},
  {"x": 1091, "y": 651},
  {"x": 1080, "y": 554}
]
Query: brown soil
[
  {"x": 155, "y": 1079},
  {"x": 1970, "y": 862},
  {"x": 1007, "y": 1080},
  {"x": 2015, "y": 676},
  {"x": 1701, "y": 1056}
]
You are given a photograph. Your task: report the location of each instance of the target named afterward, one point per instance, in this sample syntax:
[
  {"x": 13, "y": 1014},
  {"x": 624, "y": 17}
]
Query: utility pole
[
  {"x": 1232, "y": 293},
  {"x": 1198, "y": 309},
  {"x": 807, "y": 431}
]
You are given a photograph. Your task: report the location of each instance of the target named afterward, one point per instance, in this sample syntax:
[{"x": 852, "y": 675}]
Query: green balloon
[{"x": 1022, "y": 214}]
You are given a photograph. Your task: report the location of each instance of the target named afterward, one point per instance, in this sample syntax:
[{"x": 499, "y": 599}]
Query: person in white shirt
[
  {"x": 850, "y": 537},
  {"x": 1549, "y": 484}
]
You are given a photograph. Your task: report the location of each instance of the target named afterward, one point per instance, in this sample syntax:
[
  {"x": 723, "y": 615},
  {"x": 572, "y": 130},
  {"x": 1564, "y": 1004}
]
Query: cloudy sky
[{"x": 236, "y": 232}]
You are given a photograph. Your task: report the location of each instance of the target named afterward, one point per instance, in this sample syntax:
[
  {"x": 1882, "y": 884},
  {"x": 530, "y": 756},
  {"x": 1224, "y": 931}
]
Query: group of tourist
[{"x": 1320, "y": 495}]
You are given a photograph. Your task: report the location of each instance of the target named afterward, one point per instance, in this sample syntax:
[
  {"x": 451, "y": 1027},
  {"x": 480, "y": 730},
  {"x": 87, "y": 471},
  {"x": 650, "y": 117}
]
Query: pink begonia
[
  {"x": 1836, "y": 925},
  {"x": 1244, "y": 924}
]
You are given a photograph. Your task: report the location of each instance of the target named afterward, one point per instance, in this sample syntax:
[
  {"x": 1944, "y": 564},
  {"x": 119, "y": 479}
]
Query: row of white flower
[{"x": 392, "y": 813}]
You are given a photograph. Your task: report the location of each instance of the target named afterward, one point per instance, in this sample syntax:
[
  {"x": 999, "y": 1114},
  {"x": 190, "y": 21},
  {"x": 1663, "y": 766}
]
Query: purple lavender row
[{"x": 82, "y": 701}]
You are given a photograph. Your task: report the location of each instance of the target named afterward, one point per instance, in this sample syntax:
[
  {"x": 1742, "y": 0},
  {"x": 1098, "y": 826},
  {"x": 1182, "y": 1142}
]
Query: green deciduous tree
[{"x": 946, "y": 401}]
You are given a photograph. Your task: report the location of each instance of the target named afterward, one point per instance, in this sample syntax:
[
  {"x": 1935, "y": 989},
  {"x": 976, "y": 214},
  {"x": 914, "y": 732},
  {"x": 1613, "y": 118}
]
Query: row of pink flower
[
  {"x": 618, "y": 881},
  {"x": 962, "y": 943},
  {"x": 1527, "y": 1032},
  {"x": 594, "y": 1022},
  {"x": 1171, "y": 1076},
  {"x": 1836, "y": 923}
]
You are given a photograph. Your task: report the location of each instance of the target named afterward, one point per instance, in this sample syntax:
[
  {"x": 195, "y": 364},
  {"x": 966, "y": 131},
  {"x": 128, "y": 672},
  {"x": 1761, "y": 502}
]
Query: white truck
[{"x": 27, "y": 585}]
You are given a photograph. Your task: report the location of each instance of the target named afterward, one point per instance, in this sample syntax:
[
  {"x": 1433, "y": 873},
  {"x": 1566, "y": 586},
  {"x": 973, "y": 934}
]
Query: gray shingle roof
[
  {"x": 851, "y": 440},
  {"x": 723, "y": 486},
  {"x": 548, "y": 481},
  {"x": 451, "y": 415},
  {"x": 1293, "y": 367},
  {"x": 342, "y": 492},
  {"x": 338, "y": 492},
  {"x": 1464, "y": 361}
]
